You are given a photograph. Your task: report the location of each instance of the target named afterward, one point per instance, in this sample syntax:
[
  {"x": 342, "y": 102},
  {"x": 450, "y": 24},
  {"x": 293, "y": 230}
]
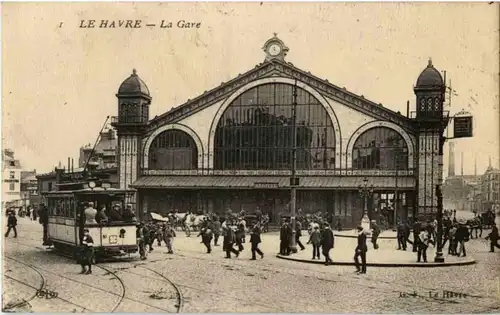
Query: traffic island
[
  {"x": 387, "y": 255},
  {"x": 384, "y": 235}
]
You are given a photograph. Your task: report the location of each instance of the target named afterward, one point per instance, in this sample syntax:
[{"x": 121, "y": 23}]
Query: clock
[{"x": 274, "y": 50}]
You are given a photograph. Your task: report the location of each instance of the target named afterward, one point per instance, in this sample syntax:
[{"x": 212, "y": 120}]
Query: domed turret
[
  {"x": 430, "y": 93},
  {"x": 430, "y": 77},
  {"x": 133, "y": 105},
  {"x": 133, "y": 85}
]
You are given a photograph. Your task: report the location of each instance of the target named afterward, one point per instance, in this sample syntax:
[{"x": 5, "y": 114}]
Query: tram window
[{"x": 71, "y": 208}]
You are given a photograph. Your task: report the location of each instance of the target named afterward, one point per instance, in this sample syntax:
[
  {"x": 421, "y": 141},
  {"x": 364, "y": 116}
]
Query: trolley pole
[{"x": 293, "y": 179}]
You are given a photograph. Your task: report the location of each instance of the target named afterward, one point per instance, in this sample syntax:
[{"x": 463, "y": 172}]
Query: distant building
[
  {"x": 490, "y": 189},
  {"x": 48, "y": 181},
  {"x": 29, "y": 188},
  {"x": 458, "y": 192},
  {"x": 11, "y": 175},
  {"x": 104, "y": 153}
]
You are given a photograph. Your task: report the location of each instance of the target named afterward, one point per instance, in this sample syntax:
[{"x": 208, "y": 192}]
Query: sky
[{"x": 59, "y": 81}]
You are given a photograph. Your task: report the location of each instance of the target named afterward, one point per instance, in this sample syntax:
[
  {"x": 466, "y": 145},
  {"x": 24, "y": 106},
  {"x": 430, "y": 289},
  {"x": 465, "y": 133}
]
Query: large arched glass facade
[
  {"x": 173, "y": 150},
  {"x": 380, "y": 148},
  {"x": 255, "y": 131}
]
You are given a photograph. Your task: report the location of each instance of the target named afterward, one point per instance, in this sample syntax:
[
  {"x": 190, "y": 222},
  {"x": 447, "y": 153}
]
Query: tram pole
[
  {"x": 293, "y": 178},
  {"x": 93, "y": 149}
]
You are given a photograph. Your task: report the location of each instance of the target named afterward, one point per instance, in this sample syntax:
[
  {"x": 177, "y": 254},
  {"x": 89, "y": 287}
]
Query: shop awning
[{"x": 269, "y": 182}]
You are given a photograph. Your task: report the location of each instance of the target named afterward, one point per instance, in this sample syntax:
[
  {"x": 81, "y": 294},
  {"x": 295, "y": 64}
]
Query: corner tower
[
  {"x": 429, "y": 91},
  {"x": 133, "y": 115}
]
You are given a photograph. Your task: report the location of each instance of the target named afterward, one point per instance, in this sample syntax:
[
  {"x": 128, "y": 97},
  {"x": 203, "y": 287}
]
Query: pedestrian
[
  {"x": 315, "y": 240},
  {"x": 240, "y": 236},
  {"x": 375, "y": 233},
  {"x": 493, "y": 237},
  {"x": 255, "y": 240},
  {"x": 216, "y": 228},
  {"x": 206, "y": 238},
  {"x": 160, "y": 229},
  {"x": 151, "y": 235},
  {"x": 416, "y": 232},
  {"x": 462, "y": 237},
  {"x": 298, "y": 234},
  {"x": 423, "y": 243},
  {"x": 44, "y": 220},
  {"x": 11, "y": 224},
  {"x": 142, "y": 234},
  {"x": 87, "y": 252},
  {"x": 401, "y": 235},
  {"x": 452, "y": 247},
  {"x": 35, "y": 213},
  {"x": 169, "y": 234},
  {"x": 284, "y": 240},
  {"x": 229, "y": 239},
  {"x": 327, "y": 243},
  {"x": 360, "y": 251}
]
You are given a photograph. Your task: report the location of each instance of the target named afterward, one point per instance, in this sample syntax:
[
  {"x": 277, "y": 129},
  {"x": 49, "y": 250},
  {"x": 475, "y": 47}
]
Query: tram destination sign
[{"x": 462, "y": 127}]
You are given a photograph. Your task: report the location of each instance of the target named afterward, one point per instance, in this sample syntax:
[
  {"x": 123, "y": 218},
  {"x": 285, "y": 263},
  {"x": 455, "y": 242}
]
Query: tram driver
[{"x": 129, "y": 215}]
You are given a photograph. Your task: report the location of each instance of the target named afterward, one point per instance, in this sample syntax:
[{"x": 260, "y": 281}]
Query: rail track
[{"x": 111, "y": 271}]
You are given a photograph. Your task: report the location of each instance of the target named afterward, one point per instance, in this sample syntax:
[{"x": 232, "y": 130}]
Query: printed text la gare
[{"x": 137, "y": 24}]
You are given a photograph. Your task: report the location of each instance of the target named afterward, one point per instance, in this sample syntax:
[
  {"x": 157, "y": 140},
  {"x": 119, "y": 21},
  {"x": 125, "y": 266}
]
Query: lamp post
[
  {"x": 365, "y": 191},
  {"x": 294, "y": 181}
]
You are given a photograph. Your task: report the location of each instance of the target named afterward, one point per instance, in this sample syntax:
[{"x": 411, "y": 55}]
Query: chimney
[
  {"x": 475, "y": 165},
  {"x": 461, "y": 164},
  {"x": 69, "y": 164},
  {"x": 72, "y": 165},
  {"x": 451, "y": 162}
]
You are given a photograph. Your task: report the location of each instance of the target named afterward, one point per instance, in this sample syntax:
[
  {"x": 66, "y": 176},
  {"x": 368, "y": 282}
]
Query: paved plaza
[{"x": 211, "y": 283}]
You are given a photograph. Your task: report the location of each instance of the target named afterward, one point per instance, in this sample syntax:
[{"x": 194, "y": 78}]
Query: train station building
[{"x": 231, "y": 147}]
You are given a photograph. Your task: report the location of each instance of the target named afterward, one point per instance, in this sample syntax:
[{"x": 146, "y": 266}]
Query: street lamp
[{"x": 365, "y": 191}]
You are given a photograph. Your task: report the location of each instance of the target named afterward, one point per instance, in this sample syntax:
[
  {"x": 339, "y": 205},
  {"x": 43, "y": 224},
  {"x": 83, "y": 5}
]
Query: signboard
[
  {"x": 72, "y": 176},
  {"x": 462, "y": 127},
  {"x": 11, "y": 180},
  {"x": 266, "y": 185}
]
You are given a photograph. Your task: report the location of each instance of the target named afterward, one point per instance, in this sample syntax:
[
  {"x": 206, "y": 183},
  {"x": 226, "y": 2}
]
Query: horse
[
  {"x": 193, "y": 221},
  {"x": 311, "y": 227},
  {"x": 475, "y": 224}
]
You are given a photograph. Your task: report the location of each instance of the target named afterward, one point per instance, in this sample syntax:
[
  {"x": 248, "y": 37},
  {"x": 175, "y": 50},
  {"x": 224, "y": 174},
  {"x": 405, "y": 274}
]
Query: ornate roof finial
[
  {"x": 430, "y": 62},
  {"x": 134, "y": 72},
  {"x": 275, "y": 34}
]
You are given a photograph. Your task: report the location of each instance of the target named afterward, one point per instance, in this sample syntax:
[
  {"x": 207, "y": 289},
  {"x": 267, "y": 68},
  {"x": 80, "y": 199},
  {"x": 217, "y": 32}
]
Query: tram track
[
  {"x": 39, "y": 289},
  {"x": 391, "y": 290},
  {"x": 112, "y": 271},
  {"x": 180, "y": 297}
]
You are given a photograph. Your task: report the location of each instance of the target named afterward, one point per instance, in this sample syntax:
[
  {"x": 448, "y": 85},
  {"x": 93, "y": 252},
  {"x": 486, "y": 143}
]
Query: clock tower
[
  {"x": 429, "y": 91},
  {"x": 133, "y": 115},
  {"x": 275, "y": 49}
]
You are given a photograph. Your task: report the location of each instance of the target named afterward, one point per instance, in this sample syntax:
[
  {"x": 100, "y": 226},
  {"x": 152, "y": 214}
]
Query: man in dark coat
[
  {"x": 285, "y": 239},
  {"x": 417, "y": 228},
  {"x": 255, "y": 241},
  {"x": 375, "y": 233},
  {"x": 401, "y": 235},
  {"x": 44, "y": 220},
  {"x": 493, "y": 237},
  {"x": 11, "y": 224},
  {"x": 206, "y": 238},
  {"x": 360, "y": 251},
  {"x": 298, "y": 234},
  {"x": 229, "y": 239},
  {"x": 114, "y": 214},
  {"x": 461, "y": 237},
  {"x": 216, "y": 228},
  {"x": 327, "y": 242}
]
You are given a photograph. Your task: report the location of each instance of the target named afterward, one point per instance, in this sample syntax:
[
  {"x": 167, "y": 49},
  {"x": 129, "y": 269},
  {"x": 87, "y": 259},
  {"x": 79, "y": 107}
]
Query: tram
[{"x": 66, "y": 219}]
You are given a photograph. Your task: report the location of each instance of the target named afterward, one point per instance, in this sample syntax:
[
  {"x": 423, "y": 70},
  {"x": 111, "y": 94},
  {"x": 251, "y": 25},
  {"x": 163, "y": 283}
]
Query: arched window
[
  {"x": 173, "y": 150},
  {"x": 380, "y": 148},
  {"x": 255, "y": 131}
]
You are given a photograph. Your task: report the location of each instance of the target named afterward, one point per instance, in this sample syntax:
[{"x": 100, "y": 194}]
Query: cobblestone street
[{"x": 210, "y": 283}]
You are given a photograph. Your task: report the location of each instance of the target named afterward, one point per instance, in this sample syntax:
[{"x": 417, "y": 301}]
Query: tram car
[{"x": 66, "y": 219}]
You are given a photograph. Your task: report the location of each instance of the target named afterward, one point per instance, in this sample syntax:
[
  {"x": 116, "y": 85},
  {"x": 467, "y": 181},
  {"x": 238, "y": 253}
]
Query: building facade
[
  {"x": 11, "y": 178},
  {"x": 104, "y": 153},
  {"x": 29, "y": 188},
  {"x": 231, "y": 147},
  {"x": 490, "y": 190}
]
